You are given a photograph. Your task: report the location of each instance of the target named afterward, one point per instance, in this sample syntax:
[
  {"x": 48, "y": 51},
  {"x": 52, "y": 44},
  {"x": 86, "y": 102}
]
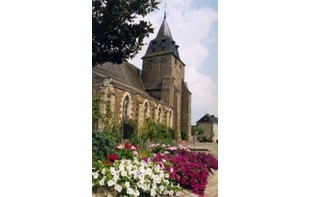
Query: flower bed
[
  {"x": 134, "y": 178},
  {"x": 190, "y": 169},
  {"x": 164, "y": 172}
]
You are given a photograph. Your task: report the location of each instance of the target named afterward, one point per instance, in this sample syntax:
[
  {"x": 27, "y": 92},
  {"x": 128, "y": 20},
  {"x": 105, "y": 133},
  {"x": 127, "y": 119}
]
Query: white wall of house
[{"x": 210, "y": 130}]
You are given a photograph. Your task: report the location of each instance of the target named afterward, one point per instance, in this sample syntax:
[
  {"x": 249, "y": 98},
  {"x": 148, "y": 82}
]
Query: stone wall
[
  {"x": 129, "y": 105},
  {"x": 186, "y": 111}
]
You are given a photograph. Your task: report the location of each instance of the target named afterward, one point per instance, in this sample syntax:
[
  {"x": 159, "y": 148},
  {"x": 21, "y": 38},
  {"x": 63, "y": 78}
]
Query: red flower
[
  {"x": 145, "y": 159},
  {"x": 112, "y": 157},
  {"x": 127, "y": 146}
]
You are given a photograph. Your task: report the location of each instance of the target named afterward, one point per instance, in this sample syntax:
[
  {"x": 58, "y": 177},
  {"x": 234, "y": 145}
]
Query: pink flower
[{"x": 119, "y": 147}]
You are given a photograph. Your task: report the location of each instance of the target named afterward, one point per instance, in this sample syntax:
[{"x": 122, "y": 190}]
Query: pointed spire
[
  {"x": 164, "y": 30},
  {"x": 163, "y": 43}
]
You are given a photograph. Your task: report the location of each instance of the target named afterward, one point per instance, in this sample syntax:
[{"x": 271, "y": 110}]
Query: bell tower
[{"x": 163, "y": 73}]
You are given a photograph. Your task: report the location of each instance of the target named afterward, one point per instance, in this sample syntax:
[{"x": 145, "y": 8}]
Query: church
[{"x": 158, "y": 91}]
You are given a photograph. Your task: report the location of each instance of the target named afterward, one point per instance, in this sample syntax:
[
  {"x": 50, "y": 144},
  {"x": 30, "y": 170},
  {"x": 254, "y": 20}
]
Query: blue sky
[{"x": 194, "y": 26}]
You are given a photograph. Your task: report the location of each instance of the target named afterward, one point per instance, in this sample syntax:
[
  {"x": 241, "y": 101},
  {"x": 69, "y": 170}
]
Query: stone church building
[{"x": 158, "y": 91}]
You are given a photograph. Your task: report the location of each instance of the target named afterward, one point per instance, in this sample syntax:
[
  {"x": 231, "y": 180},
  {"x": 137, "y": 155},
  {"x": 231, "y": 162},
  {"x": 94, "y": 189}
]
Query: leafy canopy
[{"x": 116, "y": 35}]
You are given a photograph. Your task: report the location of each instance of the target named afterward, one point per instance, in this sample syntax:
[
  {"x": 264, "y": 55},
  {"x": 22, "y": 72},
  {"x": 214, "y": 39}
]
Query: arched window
[{"x": 126, "y": 107}]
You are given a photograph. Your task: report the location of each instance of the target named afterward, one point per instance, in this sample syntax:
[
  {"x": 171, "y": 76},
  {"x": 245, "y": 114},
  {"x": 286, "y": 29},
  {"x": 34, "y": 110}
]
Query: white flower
[
  {"x": 130, "y": 191},
  {"x": 112, "y": 170},
  {"x": 162, "y": 188},
  {"x": 148, "y": 171},
  {"x": 170, "y": 192},
  {"x": 127, "y": 184},
  {"x": 95, "y": 174},
  {"x": 101, "y": 182},
  {"x": 178, "y": 193},
  {"x": 137, "y": 193},
  {"x": 124, "y": 173},
  {"x": 111, "y": 183},
  {"x": 154, "y": 185},
  {"x": 139, "y": 184},
  {"x": 115, "y": 178},
  {"x": 121, "y": 167},
  {"x": 133, "y": 172},
  {"x": 118, "y": 188},
  {"x": 144, "y": 187},
  {"x": 153, "y": 192}
]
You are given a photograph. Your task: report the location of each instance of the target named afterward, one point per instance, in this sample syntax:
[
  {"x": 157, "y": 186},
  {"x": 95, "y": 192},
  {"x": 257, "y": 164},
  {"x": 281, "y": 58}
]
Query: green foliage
[
  {"x": 103, "y": 144},
  {"x": 130, "y": 129},
  {"x": 197, "y": 131},
  {"x": 107, "y": 118},
  {"x": 115, "y": 34},
  {"x": 96, "y": 115},
  {"x": 157, "y": 132},
  {"x": 135, "y": 139},
  {"x": 184, "y": 135}
]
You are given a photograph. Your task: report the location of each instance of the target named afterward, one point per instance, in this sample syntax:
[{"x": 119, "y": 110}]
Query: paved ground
[{"x": 212, "y": 186}]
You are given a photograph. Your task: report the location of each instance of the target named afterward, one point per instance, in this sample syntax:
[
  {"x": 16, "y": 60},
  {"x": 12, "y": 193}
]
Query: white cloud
[
  {"x": 194, "y": 56},
  {"x": 203, "y": 98},
  {"x": 190, "y": 28}
]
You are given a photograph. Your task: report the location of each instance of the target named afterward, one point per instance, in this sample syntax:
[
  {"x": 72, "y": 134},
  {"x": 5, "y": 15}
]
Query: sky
[{"x": 194, "y": 26}]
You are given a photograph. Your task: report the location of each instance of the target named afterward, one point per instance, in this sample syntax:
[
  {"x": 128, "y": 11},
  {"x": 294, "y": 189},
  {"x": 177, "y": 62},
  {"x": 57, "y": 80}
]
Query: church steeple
[
  {"x": 163, "y": 43},
  {"x": 164, "y": 30}
]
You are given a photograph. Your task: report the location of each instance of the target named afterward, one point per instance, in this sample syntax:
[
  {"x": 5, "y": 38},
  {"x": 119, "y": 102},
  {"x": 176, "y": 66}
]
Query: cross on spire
[{"x": 165, "y": 6}]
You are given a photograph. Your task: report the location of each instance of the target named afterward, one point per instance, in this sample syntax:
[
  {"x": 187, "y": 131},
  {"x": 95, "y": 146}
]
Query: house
[{"x": 209, "y": 123}]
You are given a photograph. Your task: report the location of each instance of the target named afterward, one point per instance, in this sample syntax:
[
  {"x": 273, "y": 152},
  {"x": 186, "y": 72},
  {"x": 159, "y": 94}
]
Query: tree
[
  {"x": 197, "y": 131},
  {"x": 115, "y": 33}
]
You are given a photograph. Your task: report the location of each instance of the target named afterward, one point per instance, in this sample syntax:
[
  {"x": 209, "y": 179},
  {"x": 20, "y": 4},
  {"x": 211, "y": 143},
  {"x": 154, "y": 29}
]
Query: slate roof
[
  {"x": 163, "y": 43},
  {"x": 208, "y": 119},
  {"x": 124, "y": 76}
]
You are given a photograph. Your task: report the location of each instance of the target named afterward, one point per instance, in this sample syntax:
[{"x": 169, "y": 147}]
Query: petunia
[
  {"x": 118, "y": 188},
  {"x": 111, "y": 183}
]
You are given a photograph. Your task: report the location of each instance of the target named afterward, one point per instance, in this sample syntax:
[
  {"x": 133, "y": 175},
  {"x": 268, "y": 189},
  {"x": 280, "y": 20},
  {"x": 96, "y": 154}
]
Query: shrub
[
  {"x": 130, "y": 129},
  {"x": 184, "y": 135},
  {"x": 157, "y": 132},
  {"x": 103, "y": 144}
]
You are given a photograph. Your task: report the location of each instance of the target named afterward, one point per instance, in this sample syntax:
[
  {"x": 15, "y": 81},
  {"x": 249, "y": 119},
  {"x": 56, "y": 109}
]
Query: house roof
[{"x": 208, "y": 119}]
